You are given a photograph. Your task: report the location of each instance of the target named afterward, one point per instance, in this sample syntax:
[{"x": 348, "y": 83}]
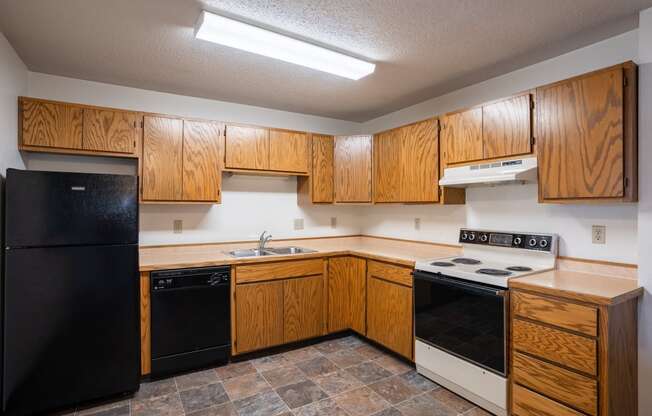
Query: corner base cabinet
[{"x": 572, "y": 358}]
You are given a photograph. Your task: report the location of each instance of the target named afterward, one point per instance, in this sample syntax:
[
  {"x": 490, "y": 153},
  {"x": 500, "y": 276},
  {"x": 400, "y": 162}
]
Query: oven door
[{"x": 463, "y": 318}]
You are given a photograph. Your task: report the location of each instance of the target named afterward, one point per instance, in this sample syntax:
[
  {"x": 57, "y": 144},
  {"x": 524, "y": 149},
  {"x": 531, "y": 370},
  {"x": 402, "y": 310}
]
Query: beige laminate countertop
[
  {"x": 394, "y": 251},
  {"x": 586, "y": 287}
]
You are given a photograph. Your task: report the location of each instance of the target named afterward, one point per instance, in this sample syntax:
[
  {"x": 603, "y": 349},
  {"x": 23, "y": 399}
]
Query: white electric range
[{"x": 461, "y": 304}]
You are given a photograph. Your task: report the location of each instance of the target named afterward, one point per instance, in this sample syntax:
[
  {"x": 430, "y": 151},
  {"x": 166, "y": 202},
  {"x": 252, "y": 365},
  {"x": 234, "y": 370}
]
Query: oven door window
[{"x": 463, "y": 318}]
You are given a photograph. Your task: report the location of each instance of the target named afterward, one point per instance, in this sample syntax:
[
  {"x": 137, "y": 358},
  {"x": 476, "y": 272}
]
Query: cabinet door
[
  {"x": 353, "y": 168},
  {"x": 580, "y": 134},
  {"x": 203, "y": 148},
  {"x": 346, "y": 294},
  {"x": 303, "y": 308},
  {"x": 288, "y": 151},
  {"x": 162, "y": 159},
  {"x": 462, "y": 136},
  {"x": 388, "y": 147},
  {"x": 247, "y": 147},
  {"x": 507, "y": 127},
  {"x": 259, "y": 315},
  {"x": 322, "y": 168},
  {"x": 420, "y": 162},
  {"x": 110, "y": 131},
  {"x": 389, "y": 314},
  {"x": 51, "y": 125}
]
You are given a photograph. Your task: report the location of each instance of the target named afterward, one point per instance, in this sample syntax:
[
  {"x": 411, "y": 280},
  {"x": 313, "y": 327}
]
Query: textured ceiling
[{"x": 423, "y": 48}]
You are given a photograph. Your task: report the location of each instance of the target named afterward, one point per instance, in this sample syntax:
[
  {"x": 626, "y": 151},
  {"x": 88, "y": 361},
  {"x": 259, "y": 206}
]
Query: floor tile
[
  {"x": 235, "y": 370},
  {"x": 337, "y": 382},
  {"x": 390, "y": 411},
  {"x": 245, "y": 386},
  {"x": 368, "y": 351},
  {"x": 317, "y": 366},
  {"x": 283, "y": 376},
  {"x": 202, "y": 397},
  {"x": 225, "y": 409},
  {"x": 361, "y": 402},
  {"x": 368, "y": 372},
  {"x": 452, "y": 400},
  {"x": 418, "y": 381},
  {"x": 393, "y": 365},
  {"x": 169, "y": 405},
  {"x": 329, "y": 347},
  {"x": 270, "y": 362},
  {"x": 424, "y": 405},
  {"x": 196, "y": 379},
  {"x": 351, "y": 341},
  {"x": 477, "y": 411},
  {"x": 301, "y": 394},
  {"x": 102, "y": 408},
  {"x": 263, "y": 404},
  {"x": 302, "y": 354},
  {"x": 346, "y": 358},
  {"x": 156, "y": 389},
  {"x": 326, "y": 407},
  {"x": 394, "y": 389}
]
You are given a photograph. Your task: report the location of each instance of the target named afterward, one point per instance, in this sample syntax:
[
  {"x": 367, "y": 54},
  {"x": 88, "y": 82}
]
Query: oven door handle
[{"x": 471, "y": 287}]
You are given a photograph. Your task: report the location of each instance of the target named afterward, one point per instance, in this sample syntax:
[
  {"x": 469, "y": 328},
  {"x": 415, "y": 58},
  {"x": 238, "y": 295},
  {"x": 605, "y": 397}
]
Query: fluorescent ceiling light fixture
[{"x": 239, "y": 35}]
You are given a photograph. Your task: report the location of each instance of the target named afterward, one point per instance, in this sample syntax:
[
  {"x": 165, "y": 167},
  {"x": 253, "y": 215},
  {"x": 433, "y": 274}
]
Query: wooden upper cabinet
[
  {"x": 323, "y": 148},
  {"x": 507, "y": 127},
  {"x": 52, "y": 125},
  {"x": 247, "y": 147},
  {"x": 162, "y": 159},
  {"x": 203, "y": 155},
  {"x": 110, "y": 131},
  {"x": 406, "y": 164},
  {"x": 288, "y": 151},
  {"x": 461, "y": 135},
  {"x": 586, "y": 132},
  {"x": 353, "y": 168}
]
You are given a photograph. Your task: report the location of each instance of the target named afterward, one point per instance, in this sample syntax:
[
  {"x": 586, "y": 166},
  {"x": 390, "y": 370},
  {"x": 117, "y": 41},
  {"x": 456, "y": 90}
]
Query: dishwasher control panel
[{"x": 189, "y": 278}]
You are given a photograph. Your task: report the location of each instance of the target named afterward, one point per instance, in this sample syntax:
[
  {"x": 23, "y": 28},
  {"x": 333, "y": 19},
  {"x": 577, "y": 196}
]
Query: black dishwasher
[{"x": 190, "y": 319}]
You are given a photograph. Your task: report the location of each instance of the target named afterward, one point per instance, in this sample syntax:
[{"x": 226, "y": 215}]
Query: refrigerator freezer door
[
  {"x": 71, "y": 326},
  {"x": 58, "y": 209}
]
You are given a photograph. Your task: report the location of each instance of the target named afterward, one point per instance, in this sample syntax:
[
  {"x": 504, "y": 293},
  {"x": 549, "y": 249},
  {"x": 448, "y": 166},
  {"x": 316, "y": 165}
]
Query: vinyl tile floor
[{"x": 339, "y": 377}]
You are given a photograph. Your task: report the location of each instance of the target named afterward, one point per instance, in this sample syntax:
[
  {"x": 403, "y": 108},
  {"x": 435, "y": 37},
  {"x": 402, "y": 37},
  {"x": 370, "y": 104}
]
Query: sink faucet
[{"x": 264, "y": 238}]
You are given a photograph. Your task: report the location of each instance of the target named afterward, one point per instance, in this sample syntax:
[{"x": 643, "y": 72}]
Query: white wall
[
  {"x": 249, "y": 204},
  {"x": 515, "y": 207},
  {"x": 13, "y": 82},
  {"x": 645, "y": 214}
]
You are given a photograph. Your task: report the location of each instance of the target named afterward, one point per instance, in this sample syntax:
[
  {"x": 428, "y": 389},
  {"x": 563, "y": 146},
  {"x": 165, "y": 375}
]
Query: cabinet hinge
[
  {"x": 142, "y": 124},
  {"x": 532, "y": 104},
  {"x": 533, "y": 140},
  {"x": 134, "y": 144},
  {"x": 624, "y": 81},
  {"x": 224, "y": 131},
  {"x": 626, "y": 184}
]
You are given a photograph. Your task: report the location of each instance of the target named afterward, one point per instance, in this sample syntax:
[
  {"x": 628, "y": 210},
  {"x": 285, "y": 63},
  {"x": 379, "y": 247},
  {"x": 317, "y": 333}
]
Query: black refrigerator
[{"x": 70, "y": 289}]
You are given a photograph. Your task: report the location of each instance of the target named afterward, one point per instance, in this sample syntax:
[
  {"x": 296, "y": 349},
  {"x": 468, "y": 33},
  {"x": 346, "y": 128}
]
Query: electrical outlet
[
  {"x": 333, "y": 222},
  {"x": 417, "y": 223},
  {"x": 298, "y": 223},
  {"x": 599, "y": 234},
  {"x": 177, "y": 226}
]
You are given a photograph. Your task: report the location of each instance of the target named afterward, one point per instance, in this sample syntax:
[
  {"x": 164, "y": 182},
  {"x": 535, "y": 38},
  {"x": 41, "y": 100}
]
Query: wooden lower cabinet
[
  {"x": 347, "y": 298},
  {"x": 389, "y": 307},
  {"x": 572, "y": 358},
  {"x": 277, "y": 303},
  {"x": 259, "y": 315}
]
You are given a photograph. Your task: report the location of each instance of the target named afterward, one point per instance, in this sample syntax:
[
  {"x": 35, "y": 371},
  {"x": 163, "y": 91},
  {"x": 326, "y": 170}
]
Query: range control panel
[{"x": 527, "y": 241}]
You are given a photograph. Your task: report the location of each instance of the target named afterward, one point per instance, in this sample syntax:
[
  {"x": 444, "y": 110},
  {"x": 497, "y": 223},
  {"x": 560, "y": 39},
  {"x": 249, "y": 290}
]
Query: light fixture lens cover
[{"x": 232, "y": 33}]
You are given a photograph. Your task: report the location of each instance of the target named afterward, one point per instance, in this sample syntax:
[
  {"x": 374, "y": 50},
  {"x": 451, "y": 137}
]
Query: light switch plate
[
  {"x": 599, "y": 234},
  {"x": 333, "y": 222},
  {"x": 417, "y": 223},
  {"x": 177, "y": 226},
  {"x": 298, "y": 223}
]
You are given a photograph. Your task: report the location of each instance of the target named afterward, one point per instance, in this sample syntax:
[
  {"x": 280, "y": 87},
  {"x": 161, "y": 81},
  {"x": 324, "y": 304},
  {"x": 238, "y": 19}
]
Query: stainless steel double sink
[{"x": 271, "y": 251}]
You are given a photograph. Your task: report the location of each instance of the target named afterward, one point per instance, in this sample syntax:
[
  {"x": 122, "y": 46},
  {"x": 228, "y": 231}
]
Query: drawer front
[
  {"x": 528, "y": 403},
  {"x": 566, "y": 315},
  {"x": 391, "y": 273},
  {"x": 570, "y": 350},
  {"x": 278, "y": 270},
  {"x": 566, "y": 386}
]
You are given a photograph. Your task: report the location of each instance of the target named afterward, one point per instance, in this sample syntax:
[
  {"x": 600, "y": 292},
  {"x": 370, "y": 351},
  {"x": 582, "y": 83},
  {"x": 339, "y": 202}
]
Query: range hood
[{"x": 494, "y": 173}]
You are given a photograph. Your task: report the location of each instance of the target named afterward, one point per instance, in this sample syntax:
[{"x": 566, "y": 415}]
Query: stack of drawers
[{"x": 567, "y": 356}]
